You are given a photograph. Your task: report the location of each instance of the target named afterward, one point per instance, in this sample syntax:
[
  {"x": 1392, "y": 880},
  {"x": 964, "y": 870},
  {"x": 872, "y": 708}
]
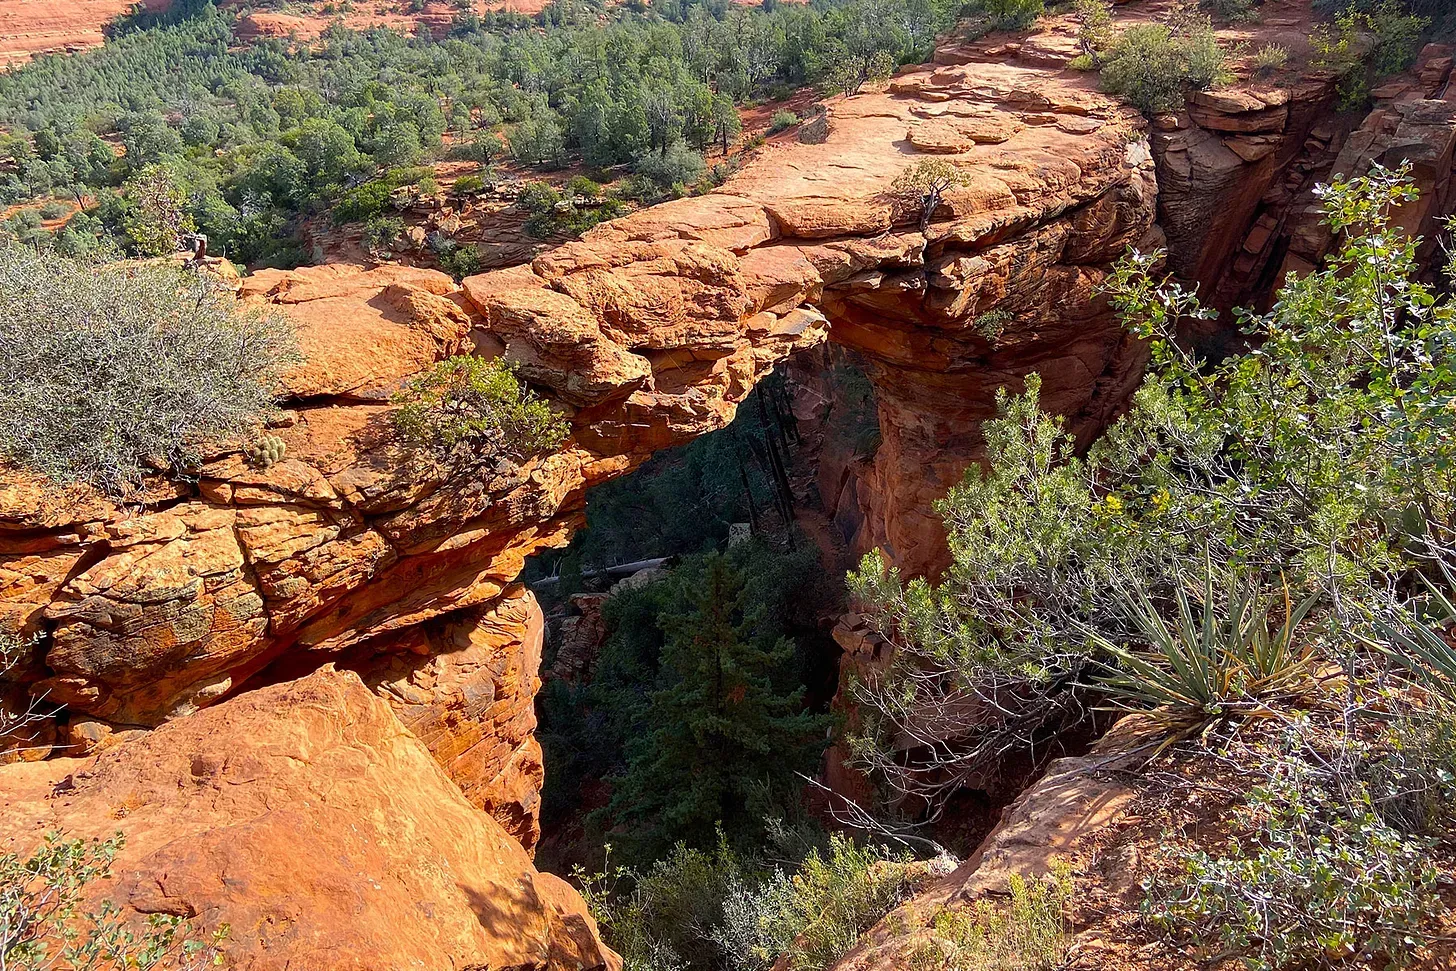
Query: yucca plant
[
  {"x": 1423, "y": 648},
  {"x": 1208, "y": 661}
]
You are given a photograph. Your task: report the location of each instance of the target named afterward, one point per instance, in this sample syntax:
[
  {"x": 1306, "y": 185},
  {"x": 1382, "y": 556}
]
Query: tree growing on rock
[
  {"x": 466, "y": 411},
  {"x": 849, "y": 70},
  {"x": 925, "y": 184},
  {"x": 157, "y": 218},
  {"x": 726, "y": 124}
]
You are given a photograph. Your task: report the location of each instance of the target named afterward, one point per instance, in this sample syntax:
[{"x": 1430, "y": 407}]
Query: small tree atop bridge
[{"x": 926, "y": 182}]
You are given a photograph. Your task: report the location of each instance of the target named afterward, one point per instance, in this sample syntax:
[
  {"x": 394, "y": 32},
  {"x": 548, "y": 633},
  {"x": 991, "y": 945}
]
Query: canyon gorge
[{"x": 305, "y": 693}]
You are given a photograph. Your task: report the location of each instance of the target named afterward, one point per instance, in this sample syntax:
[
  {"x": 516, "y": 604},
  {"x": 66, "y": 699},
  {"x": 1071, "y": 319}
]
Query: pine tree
[{"x": 719, "y": 730}]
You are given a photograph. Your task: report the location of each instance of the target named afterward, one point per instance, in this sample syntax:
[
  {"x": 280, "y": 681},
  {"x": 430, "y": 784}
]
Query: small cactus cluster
[{"x": 267, "y": 450}]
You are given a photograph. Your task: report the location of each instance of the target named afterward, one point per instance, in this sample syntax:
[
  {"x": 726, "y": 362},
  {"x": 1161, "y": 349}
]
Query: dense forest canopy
[{"x": 172, "y": 123}]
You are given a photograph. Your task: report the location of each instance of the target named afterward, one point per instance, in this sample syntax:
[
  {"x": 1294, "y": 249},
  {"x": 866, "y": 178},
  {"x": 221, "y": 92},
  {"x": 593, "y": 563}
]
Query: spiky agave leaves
[
  {"x": 1424, "y": 648},
  {"x": 1203, "y": 658}
]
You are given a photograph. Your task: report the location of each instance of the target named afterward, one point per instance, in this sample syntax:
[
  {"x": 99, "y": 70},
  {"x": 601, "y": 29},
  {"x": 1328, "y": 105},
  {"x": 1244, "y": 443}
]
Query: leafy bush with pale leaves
[
  {"x": 109, "y": 372},
  {"x": 1313, "y": 461},
  {"x": 782, "y": 120},
  {"x": 1314, "y": 877},
  {"x": 44, "y": 927},
  {"x": 466, "y": 411},
  {"x": 1151, "y": 65}
]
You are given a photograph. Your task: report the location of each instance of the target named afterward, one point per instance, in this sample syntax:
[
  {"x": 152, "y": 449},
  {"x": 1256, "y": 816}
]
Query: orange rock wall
[
  {"x": 31, "y": 27},
  {"x": 305, "y": 817}
]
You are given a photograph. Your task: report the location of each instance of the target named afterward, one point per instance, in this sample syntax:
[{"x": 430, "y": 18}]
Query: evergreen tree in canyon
[{"x": 719, "y": 730}]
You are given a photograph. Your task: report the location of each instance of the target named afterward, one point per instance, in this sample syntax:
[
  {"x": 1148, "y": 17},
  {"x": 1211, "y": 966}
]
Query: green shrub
[
  {"x": 1231, "y": 10},
  {"x": 1311, "y": 464},
  {"x": 539, "y": 141},
  {"x": 1151, "y": 65},
  {"x": 484, "y": 147},
  {"x": 1314, "y": 878},
  {"x": 814, "y": 915},
  {"x": 156, "y": 212},
  {"x": 782, "y": 120},
  {"x": 461, "y": 261},
  {"x": 54, "y": 209},
  {"x": 363, "y": 202},
  {"x": 1398, "y": 36},
  {"x": 719, "y": 173},
  {"x": 468, "y": 185},
  {"x": 1029, "y": 933},
  {"x": 678, "y": 166},
  {"x": 537, "y": 198},
  {"x": 543, "y": 205},
  {"x": 43, "y": 926},
  {"x": 380, "y": 233},
  {"x": 25, "y": 219},
  {"x": 992, "y": 324},
  {"x": 1269, "y": 59},
  {"x": 1357, "y": 43},
  {"x": 661, "y": 918},
  {"x": 714, "y": 910},
  {"x": 554, "y": 213},
  {"x": 580, "y": 187},
  {"x": 467, "y": 411},
  {"x": 110, "y": 371},
  {"x": 1005, "y": 14}
]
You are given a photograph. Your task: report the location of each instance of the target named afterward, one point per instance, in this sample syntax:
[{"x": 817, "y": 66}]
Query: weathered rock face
[
  {"x": 350, "y": 550},
  {"x": 151, "y": 613},
  {"x": 465, "y": 685},
  {"x": 1059, "y": 184},
  {"x": 31, "y": 29},
  {"x": 1238, "y": 168},
  {"x": 1413, "y": 123},
  {"x": 305, "y": 816}
]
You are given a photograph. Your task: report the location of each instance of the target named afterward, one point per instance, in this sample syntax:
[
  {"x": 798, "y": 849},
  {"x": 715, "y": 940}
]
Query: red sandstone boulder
[{"x": 310, "y": 821}]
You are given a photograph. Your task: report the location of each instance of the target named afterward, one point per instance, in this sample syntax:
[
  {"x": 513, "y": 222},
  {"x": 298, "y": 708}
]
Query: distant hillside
[{"x": 30, "y": 27}]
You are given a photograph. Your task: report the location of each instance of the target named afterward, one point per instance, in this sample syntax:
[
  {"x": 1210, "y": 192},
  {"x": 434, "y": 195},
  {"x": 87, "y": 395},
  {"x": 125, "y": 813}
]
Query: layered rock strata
[{"x": 1058, "y": 183}]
